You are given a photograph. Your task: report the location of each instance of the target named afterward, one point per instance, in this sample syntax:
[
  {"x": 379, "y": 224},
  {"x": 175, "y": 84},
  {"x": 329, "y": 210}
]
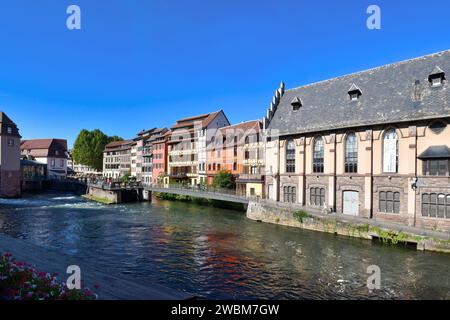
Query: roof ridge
[
  {"x": 348, "y": 75},
  {"x": 240, "y": 123}
]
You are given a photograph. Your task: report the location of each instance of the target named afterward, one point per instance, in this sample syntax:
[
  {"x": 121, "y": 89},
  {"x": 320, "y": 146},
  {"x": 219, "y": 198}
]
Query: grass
[{"x": 98, "y": 199}]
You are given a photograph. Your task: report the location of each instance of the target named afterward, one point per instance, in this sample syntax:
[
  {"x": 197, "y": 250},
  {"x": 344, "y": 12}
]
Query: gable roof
[
  {"x": 45, "y": 147},
  {"x": 391, "y": 93},
  {"x": 205, "y": 119},
  {"x": 6, "y": 122},
  {"x": 118, "y": 144},
  {"x": 43, "y": 144}
]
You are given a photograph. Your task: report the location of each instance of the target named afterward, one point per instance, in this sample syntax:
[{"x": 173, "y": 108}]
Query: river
[{"x": 220, "y": 254}]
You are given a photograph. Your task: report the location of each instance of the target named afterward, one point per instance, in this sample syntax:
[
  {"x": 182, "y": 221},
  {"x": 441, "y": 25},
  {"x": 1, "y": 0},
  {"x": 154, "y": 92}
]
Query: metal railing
[
  {"x": 200, "y": 189},
  {"x": 113, "y": 184}
]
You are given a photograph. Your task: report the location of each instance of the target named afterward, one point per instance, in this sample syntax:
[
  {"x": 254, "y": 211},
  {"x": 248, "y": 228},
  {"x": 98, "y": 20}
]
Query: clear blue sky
[{"x": 145, "y": 63}]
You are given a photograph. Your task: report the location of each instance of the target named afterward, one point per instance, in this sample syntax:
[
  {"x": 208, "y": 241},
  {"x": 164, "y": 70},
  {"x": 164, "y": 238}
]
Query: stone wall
[
  {"x": 394, "y": 183},
  {"x": 10, "y": 184},
  {"x": 283, "y": 214},
  {"x": 110, "y": 196},
  {"x": 437, "y": 185}
]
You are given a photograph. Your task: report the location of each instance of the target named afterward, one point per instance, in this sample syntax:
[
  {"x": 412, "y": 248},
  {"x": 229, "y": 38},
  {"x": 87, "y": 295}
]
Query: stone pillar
[
  {"x": 332, "y": 173},
  {"x": 368, "y": 159},
  {"x": 412, "y": 171},
  {"x": 301, "y": 171}
]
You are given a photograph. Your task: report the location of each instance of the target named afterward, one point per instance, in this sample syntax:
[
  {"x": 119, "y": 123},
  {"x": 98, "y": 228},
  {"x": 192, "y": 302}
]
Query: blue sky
[{"x": 144, "y": 63}]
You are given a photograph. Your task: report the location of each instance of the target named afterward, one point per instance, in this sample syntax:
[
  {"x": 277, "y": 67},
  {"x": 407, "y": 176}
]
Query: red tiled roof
[
  {"x": 42, "y": 144},
  {"x": 118, "y": 143},
  {"x": 45, "y": 147},
  {"x": 205, "y": 119},
  {"x": 253, "y": 124}
]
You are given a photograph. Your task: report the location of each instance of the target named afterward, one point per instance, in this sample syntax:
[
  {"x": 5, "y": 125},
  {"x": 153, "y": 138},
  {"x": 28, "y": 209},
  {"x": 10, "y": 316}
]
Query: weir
[{"x": 115, "y": 193}]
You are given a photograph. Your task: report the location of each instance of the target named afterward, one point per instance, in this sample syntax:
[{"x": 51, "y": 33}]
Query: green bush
[{"x": 300, "y": 215}]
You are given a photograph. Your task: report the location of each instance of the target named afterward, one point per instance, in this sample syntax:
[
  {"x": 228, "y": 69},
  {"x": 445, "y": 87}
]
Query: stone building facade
[
  {"x": 9, "y": 158},
  {"x": 374, "y": 144}
]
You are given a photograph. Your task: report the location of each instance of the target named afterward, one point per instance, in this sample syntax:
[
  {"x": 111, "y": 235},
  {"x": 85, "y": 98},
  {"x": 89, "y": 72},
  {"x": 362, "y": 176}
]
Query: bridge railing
[
  {"x": 202, "y": 189},
  {"x": 114, "y": 185}
]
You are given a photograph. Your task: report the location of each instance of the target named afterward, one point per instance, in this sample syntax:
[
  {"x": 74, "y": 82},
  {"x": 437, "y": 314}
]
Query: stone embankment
[{"x": 389, "y": 233}]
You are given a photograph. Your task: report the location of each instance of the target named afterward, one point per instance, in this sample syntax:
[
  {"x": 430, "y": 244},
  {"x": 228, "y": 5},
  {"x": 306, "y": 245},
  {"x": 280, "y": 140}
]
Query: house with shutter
[{"x": 52, "y": 152}]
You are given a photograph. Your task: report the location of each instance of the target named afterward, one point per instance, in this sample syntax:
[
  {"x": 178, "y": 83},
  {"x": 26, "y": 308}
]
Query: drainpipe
[
  {"x": 278, "y": 170},
  {"x": 371, "y": 177},
  {"x": 335, "y": 175},
  {"x": 304, "y": 172},
  {"x": 415, "y": 178}
]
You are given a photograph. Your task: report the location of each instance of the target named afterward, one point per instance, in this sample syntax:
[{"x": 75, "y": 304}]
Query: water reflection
[{"x": 215, "y": 253}]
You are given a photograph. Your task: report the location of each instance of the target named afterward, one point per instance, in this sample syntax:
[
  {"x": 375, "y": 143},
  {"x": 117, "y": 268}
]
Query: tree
[
  {"x": 126, "y": 178},
  {"x": 88, "y": 148},
  {"x": 223, "y": 179}
]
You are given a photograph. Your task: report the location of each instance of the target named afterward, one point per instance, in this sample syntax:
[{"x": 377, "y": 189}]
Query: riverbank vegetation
[
  {"x": 224, "y": 180},
  {"x": 97, "y": 199},
  {"x": 20, "y": 281}
]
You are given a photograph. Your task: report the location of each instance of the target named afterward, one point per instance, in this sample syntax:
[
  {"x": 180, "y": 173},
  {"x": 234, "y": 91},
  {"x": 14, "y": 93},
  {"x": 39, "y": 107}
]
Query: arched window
[
  {"x": 390, "y": 151},
  {"x": 290, "y": 156},
  {"x": 318, "y": 155},
  {"x": 351, "y": 154}
]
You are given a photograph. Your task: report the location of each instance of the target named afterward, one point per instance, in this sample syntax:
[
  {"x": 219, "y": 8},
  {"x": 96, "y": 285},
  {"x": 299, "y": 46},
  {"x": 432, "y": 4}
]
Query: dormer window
[
  {"x": 437, "y": 77},
  {"x": 296, "y": 103},
  {"x": 354, "y": 92}
]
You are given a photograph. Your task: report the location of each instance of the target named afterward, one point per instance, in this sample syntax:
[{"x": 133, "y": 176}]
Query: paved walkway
[{"x": 112, "y": 286}]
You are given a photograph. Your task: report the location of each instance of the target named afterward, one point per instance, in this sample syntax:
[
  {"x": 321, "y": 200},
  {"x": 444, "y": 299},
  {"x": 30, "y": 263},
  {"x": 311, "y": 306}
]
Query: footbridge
[{"x": 200, "y": 192}]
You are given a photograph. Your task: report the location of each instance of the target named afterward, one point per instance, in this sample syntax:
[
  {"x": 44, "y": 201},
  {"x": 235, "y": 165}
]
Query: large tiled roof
[
  {"x": 44, "y": 147},
  {"x": 244, "y": 126},
  {"x": 118, "y": 144},
  {"x": 205, "y": 120},
  {"x": 393, "y": 93}
]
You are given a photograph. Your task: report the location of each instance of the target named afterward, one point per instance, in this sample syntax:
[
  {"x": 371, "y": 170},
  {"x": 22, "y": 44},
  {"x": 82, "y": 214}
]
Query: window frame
[
  {"x": 318, "y": 163},
  {"x": 397, "y": 151},
  {"x": 290, "y": 156},
  {"x": 389, "y": 202},
  {"x": 435, "y": 205},
  {"x": 351, "y": 158}
]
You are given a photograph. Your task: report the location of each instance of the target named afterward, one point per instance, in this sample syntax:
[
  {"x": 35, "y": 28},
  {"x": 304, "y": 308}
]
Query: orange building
[
  {"x": 159, "y": 155},
  {"x": 231, "y": 149}
]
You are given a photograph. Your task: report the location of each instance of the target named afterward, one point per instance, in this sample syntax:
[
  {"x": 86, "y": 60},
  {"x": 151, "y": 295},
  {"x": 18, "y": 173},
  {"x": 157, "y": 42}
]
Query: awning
[{"x": 435, "y": 152}]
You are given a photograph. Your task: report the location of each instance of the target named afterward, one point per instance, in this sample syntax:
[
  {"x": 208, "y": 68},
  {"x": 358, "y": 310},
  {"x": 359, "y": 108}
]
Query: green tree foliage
[
  {"x": 126, "y": 178},
  {"x": 89, "y": 146},
  {"x": 223, "y": 179}
]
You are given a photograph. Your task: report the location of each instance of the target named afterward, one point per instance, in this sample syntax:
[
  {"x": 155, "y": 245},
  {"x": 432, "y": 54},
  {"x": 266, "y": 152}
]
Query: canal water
[{"x": 220, "y": 254}]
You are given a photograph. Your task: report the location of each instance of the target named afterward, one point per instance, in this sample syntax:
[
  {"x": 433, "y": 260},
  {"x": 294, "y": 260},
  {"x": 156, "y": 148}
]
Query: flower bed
[{"x": 20, "y": 281}]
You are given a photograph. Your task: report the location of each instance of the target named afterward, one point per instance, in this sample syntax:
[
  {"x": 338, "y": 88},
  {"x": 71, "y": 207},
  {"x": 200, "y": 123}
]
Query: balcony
[{"x": 257, "y": 177}]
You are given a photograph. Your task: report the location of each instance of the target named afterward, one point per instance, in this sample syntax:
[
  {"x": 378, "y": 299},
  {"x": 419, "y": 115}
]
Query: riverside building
[{"x": 373, "y": 144}]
